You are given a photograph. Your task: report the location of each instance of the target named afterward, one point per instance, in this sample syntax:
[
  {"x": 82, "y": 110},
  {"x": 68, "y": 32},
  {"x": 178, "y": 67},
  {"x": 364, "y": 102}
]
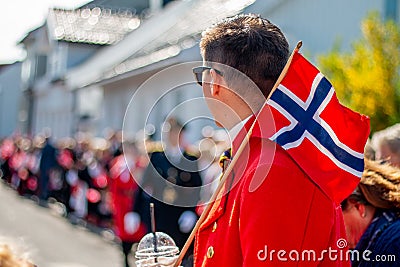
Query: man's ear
[
  {"x": 214, "y": 83},
  {"x": 217, "y": 82},
  {"x": 361, "y": 209}
]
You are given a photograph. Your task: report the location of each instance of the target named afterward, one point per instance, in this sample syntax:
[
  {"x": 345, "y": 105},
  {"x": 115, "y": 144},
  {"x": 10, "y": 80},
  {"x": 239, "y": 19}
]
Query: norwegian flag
[{"x": 325, "y": 138}]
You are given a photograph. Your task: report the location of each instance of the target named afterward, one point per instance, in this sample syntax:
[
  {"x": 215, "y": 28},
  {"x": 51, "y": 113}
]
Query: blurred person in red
[
  {"x": 7, "y": 149},
  {"x": 27, "y": 168},
  {"x": 123, "y": 188},
  {"x": 17, "y": 164},
  {"x": 97, "y": 179}
]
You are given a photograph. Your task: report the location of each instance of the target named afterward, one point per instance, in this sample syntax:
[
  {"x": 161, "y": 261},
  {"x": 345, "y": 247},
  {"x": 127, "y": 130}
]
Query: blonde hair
[
  {"x": 10, "y": 256},
  {"x": 380, "y": 185}
]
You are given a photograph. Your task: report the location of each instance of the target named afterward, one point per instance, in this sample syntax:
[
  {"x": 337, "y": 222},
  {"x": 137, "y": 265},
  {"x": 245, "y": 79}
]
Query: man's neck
[
  {"x": 239, "y": 118},
  {"x": 243, "y": 110},
  {"x": 234, "y": 131}
]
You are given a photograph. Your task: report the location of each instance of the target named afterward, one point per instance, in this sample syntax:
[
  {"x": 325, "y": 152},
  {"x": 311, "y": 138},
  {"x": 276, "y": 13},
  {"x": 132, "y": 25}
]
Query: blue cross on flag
[{"x": 325, "y": 138}]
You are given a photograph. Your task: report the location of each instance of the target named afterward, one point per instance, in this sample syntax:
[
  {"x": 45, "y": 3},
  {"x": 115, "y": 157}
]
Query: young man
[{"x": 270, "y": 213}]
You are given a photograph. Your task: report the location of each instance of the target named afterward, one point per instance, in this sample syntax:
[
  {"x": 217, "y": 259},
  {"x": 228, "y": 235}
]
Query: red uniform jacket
[
  {"x": 273, "y": 215},
  {"x": 123, "y": 188}
]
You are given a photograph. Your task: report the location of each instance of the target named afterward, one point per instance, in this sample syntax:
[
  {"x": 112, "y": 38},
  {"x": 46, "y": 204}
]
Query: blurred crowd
[
  {"x": 78, "y": 172},
  {"x": 95, "y": 180},
  {"x": 72, "y": 172}
]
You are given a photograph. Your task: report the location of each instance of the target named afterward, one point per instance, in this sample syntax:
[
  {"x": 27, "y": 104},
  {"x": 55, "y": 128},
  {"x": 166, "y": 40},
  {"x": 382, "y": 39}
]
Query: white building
[{"x": 68, "y": 38}]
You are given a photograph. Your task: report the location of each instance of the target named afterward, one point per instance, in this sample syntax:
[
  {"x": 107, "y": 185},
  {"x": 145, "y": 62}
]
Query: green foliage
[{"x": 366, "y": 79}]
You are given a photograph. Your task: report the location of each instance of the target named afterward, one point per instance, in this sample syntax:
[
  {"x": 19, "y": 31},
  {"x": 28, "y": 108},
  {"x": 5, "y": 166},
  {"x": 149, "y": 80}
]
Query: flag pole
[
  {"x": 153, "y": 229},
  {"x": 226, "y": 174},
  {"x": 284, "y": 71}
]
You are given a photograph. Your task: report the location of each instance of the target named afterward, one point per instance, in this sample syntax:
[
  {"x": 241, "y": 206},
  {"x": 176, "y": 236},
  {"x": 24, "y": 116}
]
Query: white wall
[
  {"x": 89, "y": 102},
  {"x": 53, "y": 108},
  {"x": 114, "y": 106}
]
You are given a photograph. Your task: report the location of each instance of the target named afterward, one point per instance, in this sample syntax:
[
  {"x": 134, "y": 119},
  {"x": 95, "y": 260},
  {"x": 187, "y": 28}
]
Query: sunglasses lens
[
  {"x": 199, "y": 78},
  {"x": 198, "y": 74}
]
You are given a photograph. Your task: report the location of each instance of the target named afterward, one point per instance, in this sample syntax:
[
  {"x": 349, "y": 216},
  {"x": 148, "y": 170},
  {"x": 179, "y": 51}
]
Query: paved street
[{"x": 51, "y": 239}]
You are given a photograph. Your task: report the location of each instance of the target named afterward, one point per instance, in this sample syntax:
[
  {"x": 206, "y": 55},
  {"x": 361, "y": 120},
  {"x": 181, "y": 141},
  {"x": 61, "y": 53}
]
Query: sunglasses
[{"x": 198, "y": 73}]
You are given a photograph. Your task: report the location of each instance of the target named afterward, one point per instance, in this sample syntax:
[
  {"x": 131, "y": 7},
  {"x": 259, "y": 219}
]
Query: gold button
[
  {"x": 210, "y": 252},
  {"x": 214, "y": 227}
]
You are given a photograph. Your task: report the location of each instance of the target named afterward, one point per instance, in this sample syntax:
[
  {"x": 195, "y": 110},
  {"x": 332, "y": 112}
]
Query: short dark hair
[
  {"x": 249, "y": 44},
  {"x": 356, "y": 196}
]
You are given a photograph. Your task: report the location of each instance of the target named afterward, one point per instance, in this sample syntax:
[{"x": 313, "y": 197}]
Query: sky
[{"x": 18, "y": 17}]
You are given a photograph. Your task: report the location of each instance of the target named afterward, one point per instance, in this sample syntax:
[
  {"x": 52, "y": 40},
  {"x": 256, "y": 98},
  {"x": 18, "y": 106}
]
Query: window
[{"x": 41, "y": 65}]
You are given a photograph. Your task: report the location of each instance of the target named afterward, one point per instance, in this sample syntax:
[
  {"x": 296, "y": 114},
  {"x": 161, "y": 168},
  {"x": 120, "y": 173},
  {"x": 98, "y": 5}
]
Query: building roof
[
  {"x": 136, "y": 6},
  {"x": 183, "y": 35},
  {"x": 91, "y": 25},
  {"x": 162, "y": 37}
]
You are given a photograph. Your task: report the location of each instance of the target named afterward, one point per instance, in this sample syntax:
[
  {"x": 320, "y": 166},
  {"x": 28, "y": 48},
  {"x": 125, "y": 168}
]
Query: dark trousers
[{"x": 126, "y": 249}]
